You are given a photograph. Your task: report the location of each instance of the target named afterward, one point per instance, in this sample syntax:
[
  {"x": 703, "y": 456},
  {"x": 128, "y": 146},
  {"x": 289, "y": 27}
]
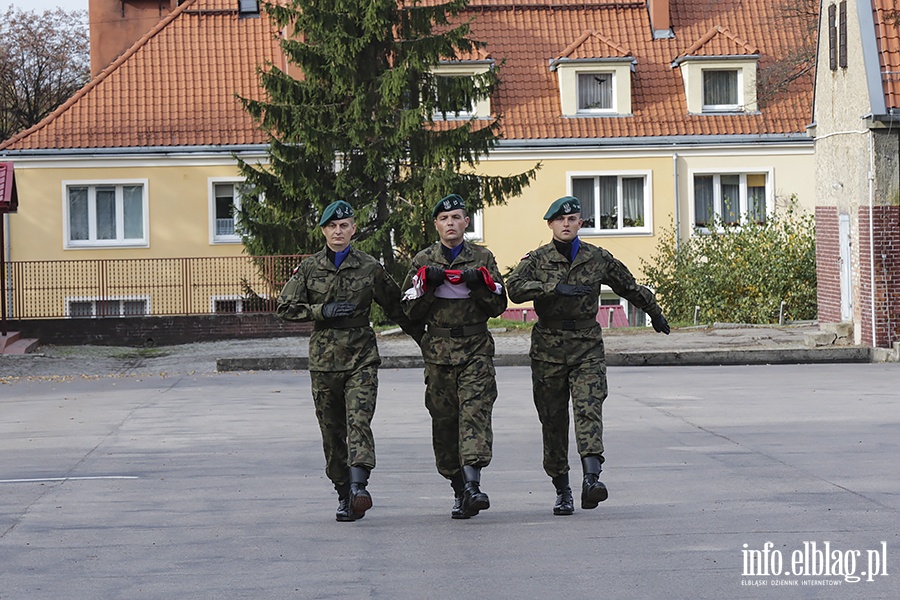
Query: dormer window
[
  {"x": 595, "y": 92},
  {"x": 595, "y": 89},
  {"x": 594, "y": 77},
  {"x": 717, "y": 83},
  {"x": 722, "y": 90},
  {"x": 480, "y": 108}
]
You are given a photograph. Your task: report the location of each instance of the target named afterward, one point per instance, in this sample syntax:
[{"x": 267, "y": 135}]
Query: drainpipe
[
  {"x": 677, "y": 219},
  {"x": 872, "y": 232}
]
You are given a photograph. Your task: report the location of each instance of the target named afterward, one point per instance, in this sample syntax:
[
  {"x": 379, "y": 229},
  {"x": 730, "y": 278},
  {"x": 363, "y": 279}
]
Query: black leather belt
[
  {"x": 455, "y": 332},
  {"x": 567, "y": 325},
  {"x": 341, "y": 323}
]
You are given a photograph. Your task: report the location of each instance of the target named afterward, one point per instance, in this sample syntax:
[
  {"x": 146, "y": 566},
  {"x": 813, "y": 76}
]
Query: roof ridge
[{"x": 101, "y": 76}]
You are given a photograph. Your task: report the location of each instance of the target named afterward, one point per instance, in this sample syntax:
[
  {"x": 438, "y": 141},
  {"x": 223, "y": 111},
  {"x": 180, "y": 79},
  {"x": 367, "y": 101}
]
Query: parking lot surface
[{"x": 211, "y": 485}]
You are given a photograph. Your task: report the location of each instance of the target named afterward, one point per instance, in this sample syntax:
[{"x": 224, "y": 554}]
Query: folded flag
[{"x": 453, "y": 277}]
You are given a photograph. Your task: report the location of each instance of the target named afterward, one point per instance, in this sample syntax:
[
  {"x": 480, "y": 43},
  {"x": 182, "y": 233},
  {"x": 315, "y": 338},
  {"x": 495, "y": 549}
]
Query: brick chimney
[
  {"x": 117, "y": 24},
  {"x": 660, "y": 21}
]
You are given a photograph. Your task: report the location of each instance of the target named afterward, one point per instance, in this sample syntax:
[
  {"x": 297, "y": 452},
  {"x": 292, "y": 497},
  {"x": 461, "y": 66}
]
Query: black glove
[
  {"x": 566, "y": 289},
  {"x": 472, "y": 278},
  {"x": 434, "y": 276},
  {"x": 660, "y": 325},
  {"x": 336, "y": 310}
]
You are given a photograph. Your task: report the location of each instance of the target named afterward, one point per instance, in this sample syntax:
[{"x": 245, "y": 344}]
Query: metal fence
[{"x": 145, "y": 286}]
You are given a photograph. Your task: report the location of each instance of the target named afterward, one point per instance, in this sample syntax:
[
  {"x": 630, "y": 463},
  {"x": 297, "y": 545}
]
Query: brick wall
[
  {"x": 159, "y": 331},
  {"x": 828, "y": 264},
  {"x": 886, "y": 292}
]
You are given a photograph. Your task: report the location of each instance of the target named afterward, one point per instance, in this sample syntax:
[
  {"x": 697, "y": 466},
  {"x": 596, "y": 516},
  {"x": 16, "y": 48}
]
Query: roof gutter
[
  {"x": 549, "y": 143},
  {"x": 138, "y": 151},
  {"x": 694, "y": 140}
]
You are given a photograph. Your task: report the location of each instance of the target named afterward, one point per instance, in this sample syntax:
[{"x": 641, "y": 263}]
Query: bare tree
[
  {"x": 798, "y": 64},
  {"x": 44, "y": 59}
]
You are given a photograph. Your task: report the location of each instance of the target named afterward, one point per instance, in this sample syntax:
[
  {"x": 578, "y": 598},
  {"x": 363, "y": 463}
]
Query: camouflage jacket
[
  {"x": 360, "y": 280},
  {"x": 445, "y": 312},
  {"x": 535, "y": 278}
]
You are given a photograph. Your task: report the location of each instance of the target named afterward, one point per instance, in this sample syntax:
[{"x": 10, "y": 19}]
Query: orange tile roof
[
  {"x": 591, "y": 44},
  {"x": 176, "y": 86},
  {"x": 887, "y": 32},
  {"x": 719, "y": 41}
]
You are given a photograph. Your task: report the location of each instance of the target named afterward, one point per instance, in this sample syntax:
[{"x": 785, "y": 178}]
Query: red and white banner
[{"x": 457, "y": 288}]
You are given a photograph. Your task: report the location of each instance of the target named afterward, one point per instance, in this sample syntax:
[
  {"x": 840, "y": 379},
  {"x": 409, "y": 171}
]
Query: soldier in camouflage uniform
[
  {"x": 563, "y": 279},
  {"x": 455, "y": 286},
  {"x": 335, "y": 288}
]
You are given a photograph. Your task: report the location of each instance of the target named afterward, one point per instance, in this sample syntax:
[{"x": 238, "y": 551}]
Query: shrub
[{"x": 738, "y": 274}]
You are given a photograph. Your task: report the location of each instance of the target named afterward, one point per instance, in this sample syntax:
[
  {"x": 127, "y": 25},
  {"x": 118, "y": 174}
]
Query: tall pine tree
[{"x": 364, "y": 123}]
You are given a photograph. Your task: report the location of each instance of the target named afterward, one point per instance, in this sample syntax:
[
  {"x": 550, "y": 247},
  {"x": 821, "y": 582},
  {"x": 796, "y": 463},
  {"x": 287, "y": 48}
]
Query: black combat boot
[
  {"x": 343, "y": 510},
  {"x": 474, "y": 500},
  {"x": 593, "y": 491},
  {"x": 459, "y": 488},
  {"x": 565, "y": 504},
  {"x": 360, "y": 500}
]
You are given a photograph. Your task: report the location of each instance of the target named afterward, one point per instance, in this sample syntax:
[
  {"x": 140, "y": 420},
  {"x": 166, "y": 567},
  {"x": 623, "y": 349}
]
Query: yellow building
[{"x": 653, "y": 115}]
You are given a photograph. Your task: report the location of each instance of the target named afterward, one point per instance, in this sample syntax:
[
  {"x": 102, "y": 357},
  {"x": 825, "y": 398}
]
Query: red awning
[{"x": 9, "y": 197}]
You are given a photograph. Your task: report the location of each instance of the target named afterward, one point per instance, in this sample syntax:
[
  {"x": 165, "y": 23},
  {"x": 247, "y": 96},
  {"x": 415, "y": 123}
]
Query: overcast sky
[{"x": 42, "y": 5}]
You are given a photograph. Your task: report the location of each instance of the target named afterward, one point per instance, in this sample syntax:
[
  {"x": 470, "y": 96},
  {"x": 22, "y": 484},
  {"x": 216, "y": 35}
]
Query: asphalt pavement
[
  {"x": 726, "y": 482},
  {"x": 722, "y": 344}
]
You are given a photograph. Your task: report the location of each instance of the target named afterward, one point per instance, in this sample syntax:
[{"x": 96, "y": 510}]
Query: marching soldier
[
  {"x": 454, "y": 287},
  {"x": 335, "y": 288},
  {"x": 563, "y": 279}
]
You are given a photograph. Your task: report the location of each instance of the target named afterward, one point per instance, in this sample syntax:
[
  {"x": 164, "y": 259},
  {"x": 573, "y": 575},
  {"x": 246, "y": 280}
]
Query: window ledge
[
  {"x": 107, "y": 246},
  {"x": 597, "y": 115},
  {"x": 633, "y": 231}
]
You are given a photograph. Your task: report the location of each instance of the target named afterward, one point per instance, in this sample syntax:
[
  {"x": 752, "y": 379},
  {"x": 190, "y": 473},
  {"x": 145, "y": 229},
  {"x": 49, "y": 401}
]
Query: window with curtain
[
  {"x": 612, "y": 202},
  {"x": 720, "y": 89},
  {"x": 105, "y": 215},
  {"x": 595, "y": 91},
  {"x": 732, "y": 198}
]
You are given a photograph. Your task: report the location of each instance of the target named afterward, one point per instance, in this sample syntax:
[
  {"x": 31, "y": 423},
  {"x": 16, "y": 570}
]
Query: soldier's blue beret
[
  {"x": 567, "y": 205},
  {"x": 448, "y": 203},
  {"x": 336, "y": 211}
]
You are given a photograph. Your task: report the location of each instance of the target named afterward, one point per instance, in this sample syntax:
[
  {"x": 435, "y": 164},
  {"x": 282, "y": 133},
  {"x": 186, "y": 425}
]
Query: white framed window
[
  {"x": 475, "y": 230},
  {"x": 596, "y": 92},
  {"x": 594, "y": 88},
  {"x": 719, "y": 84},
  {"x": 613, "y": 202},
  {"x": 461, "y": 112},
  {"x": 731, "y": 197},
  {"x": 102, "y": 214},
  {"x": 92, "y": 308},
  {"x": 722, "y": 90},
  {"x": 480, "y": 108},
  {"x": 225, "y": 196}
]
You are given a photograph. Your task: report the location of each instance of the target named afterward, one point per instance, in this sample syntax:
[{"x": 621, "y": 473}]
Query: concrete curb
[{"x": 673, "y": 358}]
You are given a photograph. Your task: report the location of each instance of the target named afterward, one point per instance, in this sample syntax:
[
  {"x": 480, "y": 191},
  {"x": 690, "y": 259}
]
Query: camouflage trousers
[
  {"x": 552, "y": 384},
  {"x": 460, "y": 400},
  {"x": 345, "y": 405}
]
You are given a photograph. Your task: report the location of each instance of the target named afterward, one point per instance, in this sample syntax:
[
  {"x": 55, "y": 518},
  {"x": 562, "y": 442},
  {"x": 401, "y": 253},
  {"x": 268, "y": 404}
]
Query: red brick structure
[
  {"x": 885, "y": 277},
  {"x": 828, "y": 259}
]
